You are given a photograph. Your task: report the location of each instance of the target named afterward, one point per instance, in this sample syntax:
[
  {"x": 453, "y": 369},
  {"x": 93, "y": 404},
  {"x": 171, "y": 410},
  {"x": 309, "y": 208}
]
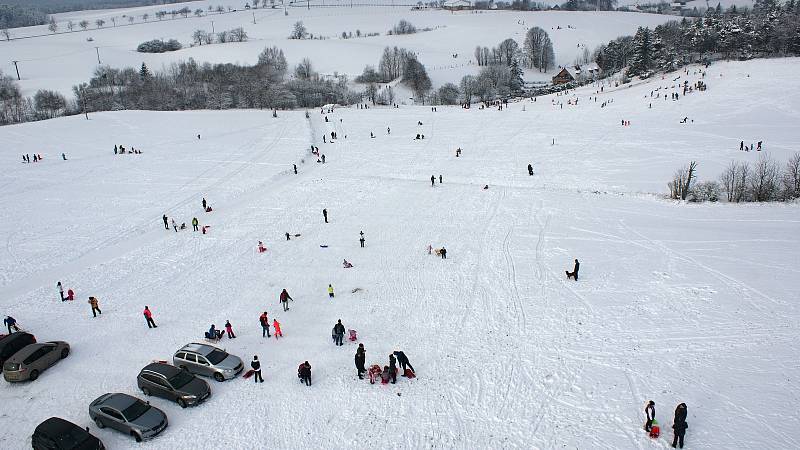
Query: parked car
[
  {"x": 56, "y": 433},
  {"x": 33, "y": 359},
  {"x": 128, "y": 414},
  {"x": 12, "y": 343},
  {"x": 172, "y": 383},
  {"x": 207, "y": 360}
]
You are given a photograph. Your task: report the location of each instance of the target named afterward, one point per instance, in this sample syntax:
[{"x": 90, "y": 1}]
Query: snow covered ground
[
  {"x": 58, "y": 62},
  {"x": 675, "y": 303}
]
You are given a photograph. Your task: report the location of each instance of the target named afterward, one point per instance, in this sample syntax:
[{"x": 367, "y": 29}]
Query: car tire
[
  {"x": 34, "y": 375},
  {"x": 146, "y": 391},
  {"x": 99, "y": 423},
  {"x": 136, "y": 436},
  {"x": 182, "y": 402},
  {"x": 218, "y": 376},
  {"x": 64, "y": 353}
]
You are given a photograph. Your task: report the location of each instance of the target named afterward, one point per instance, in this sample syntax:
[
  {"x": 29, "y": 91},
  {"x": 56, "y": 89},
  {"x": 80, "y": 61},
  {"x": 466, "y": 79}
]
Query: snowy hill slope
[
  {"x": 58, "y": 62},
  {"x": 675, "y": 303}
]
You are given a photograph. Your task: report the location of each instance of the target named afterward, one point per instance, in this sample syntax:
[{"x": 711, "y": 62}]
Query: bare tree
[
  {"x": 53, "y": 26},
  {"x": 6, "y": 34},
  {"x": 200, "y": 37},
  {"x": 70, "y": 25},
  {"x": 764, "y": 182},
  {"x": 84, "y": 24},
  {"x": 304, "y": 70},
  {"x": 728, "y": 180},
  {"x": 131, "y": 19},
  {"x": 681, "y": 183},
  {"x": 145, "y": 17},
  {"x": 299, "y": 31},
  {"x": 114, "y": 21},
  {"x": 791, "y": 177},
  {"x": 238, "y": 34},
  {"x": 99, "y": 23}
]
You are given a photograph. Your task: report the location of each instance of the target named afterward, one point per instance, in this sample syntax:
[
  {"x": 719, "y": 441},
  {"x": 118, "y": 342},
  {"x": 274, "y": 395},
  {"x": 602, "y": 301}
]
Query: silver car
[
  {"x": 207, "y": 360},
  {"x": 129, "y": 415},
  {"x": 28, "y": 363}
]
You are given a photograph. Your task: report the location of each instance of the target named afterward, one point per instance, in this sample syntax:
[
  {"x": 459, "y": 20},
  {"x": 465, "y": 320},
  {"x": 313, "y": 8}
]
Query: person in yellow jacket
[
  {"x": 330, "y": 291},
  {"x": 195, "y": 223},
  {"x": 95, "y": 306}
]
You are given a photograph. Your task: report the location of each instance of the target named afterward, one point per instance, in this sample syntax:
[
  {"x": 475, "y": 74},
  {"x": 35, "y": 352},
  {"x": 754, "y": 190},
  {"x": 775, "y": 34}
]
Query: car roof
[
  {"x": 167, "y": 370},
  {"x": 64, "y": 430},
  {"x": 26, "y": 351},
  {"x": 201, "y": 349},
  {"x": 118, "y": 401},
  {"x": 13, "y": 336}
]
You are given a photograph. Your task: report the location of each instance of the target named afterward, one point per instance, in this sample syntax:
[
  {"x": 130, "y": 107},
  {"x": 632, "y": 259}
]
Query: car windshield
[
  {"x": 216, "y": 356},
  {"x": 135, "y": 411},
  {"x": 180, "y": 379}
]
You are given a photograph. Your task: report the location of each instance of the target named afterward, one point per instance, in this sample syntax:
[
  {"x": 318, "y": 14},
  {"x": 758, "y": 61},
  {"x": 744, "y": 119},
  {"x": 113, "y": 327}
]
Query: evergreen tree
[
  {"x": 515, "y": 84},
  {"x": 144, "y": 73},
  {"x": 642, "y": 53}
]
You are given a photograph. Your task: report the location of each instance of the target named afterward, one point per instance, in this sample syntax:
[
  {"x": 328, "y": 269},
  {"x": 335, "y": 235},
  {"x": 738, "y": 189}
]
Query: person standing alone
[
  {"x": 149, "y": 317},
  {"x": 95, "y": 307},
  {"x": 256, "y": 365}
]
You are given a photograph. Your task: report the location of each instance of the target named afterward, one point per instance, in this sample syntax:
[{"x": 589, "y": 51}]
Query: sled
[
  {"x": 323, "y": 245},
  {"x": 297, "y": 235},
  {"x": 655, "y": 430},
  {"x": 409, "y": 374},
  {"x": 353, "y": 335},
  {"x": 248, "y": 374},
  {"x": 160, "y": 361}
]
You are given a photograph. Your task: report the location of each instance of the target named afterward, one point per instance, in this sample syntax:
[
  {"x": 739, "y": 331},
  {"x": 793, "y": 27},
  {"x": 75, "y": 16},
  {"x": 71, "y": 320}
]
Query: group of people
[
  {"x": 679, "y": 424},
  {"x": 121, "y": 150},
  {"x": 214, "y": 334},
  {"x": 388, "y": 372},
  {"x": 26, "y": 158},
  {"x": 749, "y": 148},
  {"x": 170, "y": 222}
]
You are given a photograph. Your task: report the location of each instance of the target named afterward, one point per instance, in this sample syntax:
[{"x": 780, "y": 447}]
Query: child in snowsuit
[
  {"x": 650, "y": 411},
  {"x": 277, "y": 326},
  {"x": 229, "y": 329}
]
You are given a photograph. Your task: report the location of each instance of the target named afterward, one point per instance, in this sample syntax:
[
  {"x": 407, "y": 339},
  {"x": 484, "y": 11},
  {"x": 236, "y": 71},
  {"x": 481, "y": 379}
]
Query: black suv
[
  {"x": 13, "y": 343},
  {"x": 172, "y": 383},
  {"x": 58, "y": 434}
]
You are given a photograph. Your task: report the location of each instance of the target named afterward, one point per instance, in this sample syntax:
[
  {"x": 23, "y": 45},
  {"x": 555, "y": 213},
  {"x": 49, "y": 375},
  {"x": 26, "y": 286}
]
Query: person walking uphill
[
  {"x": 149, "y": 317},
  {"x": 195, "y": 223},
  {"x": 11, "y": 323},
  {"x": 60, "y": 290},
  {"x": 284, "y": 298},
  {"x": 338, "y": 333},
  {"x": 650, "y": 411},
  {"x": 95, "y": 307},
  {"x": 166, "y": 224},
  {"x": 325, "y": 214},
  {"x": 304, "y": 372},
  {"x": 679, "y": 425},
  {"x": 229, "y": 329},
  {"x": 330, "y": 291},
  {"x": 256, "y": 366},
  {"x": 530, "y": 170},
  {"x": 264, "y": 321},
  {"x": 361, "y": 359}
]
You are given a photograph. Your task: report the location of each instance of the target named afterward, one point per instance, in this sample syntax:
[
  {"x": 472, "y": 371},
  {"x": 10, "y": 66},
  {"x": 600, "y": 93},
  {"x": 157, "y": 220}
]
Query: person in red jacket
[
  {"x": 277, "y": 326},
  {"x": 264, "y": 320},
  {"x": 285, "y": 297},
  {"x": 229, "y": 329},
  {"x": 149, "y": 317}
]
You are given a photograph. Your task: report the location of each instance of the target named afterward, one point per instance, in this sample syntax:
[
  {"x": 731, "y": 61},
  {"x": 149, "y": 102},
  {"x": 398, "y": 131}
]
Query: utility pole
[
  {"x": 17, "y": 67},
  {"x": 97, "y": 49},
  {"x": 254, "y": 17},
  {"x": 308, "y": 5},
  {"x": 212, "y": 27}
]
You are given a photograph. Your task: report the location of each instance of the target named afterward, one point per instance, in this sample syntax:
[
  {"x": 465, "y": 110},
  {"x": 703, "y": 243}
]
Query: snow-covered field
[
  {"x": 58, "y": 62},
  {"x": 675, "y": 303}
]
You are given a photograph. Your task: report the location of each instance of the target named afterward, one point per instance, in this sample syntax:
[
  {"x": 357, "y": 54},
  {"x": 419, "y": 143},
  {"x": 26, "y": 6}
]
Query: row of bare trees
[{"x": 763, "y": 181}]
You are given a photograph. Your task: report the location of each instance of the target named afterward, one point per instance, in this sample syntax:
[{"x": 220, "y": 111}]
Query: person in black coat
[
  {"x": 402, "y": 359},
  {"x": 393, "y": 368},
  {"x": 530, "y": 170},
  {"x": 443, "y": 252},
  {"x": 304, "y": 372},
  {"x": 338, "y": 333},
  {"x": 256, "y": 365},
  {"x": 679, "y": 425},
  {"x": 574, "y": 273},
  {"x": 325, "y": 214},
  {"x": 650, "y": 411},
  {"x": 361, "y": 358}
]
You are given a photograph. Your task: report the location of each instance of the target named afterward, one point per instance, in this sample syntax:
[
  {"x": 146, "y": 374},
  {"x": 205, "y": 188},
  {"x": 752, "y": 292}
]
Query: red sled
[
  {"x": 409, "y": 374},
  {"x": 248, "y": 374},
  {"x": 655, "y": 430}
]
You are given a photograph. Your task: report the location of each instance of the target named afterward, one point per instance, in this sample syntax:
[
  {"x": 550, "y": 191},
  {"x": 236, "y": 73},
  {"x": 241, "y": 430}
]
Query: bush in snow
[
  {"x": 707, "y": 191},
  {"x": 158, "y": 46},
  {"x": 403, "y": 27},
  {"x": 299, "y": 31}
]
